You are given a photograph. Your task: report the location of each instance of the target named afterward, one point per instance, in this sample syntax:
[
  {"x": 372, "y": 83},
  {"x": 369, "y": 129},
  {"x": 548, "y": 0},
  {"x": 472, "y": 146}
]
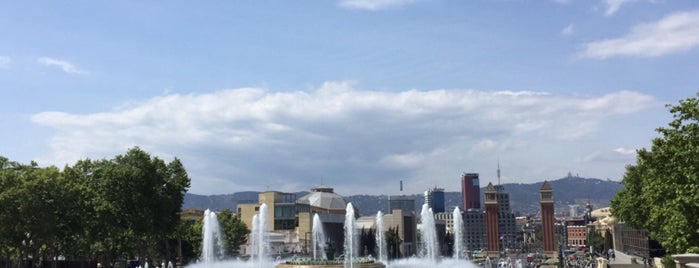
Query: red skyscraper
[{"x": 470, "y": 191}]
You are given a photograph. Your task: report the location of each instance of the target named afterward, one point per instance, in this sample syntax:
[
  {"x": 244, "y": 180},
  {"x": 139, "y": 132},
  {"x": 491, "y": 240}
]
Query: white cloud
[
  {"x": 374, "y": 5},
  {"x": 620, "y": 154},
  {"x": 674, "y": 33},
  {"x": 568, "y": 30},
  {"x": 612, "y": 6},
  {"x": 561, "y": 1},
  {"x": 246, "y": 138},
  {"x": 5, "y": 62},
  {"x": 66, "y": 66}
]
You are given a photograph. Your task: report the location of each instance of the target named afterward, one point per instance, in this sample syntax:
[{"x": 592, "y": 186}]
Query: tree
[
  {"x": 234, "y": 231},
  {"x": 105, "y": 208},
  {"x": 661, "y": 190},
  {"x": 367, "y": 242},
  {"x": 393, "y": 242},
  {"x": 595, "y": 241}
]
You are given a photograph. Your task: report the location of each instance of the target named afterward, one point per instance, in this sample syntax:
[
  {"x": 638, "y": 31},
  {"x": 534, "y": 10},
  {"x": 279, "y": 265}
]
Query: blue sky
[{"x": 358, "y": 94}]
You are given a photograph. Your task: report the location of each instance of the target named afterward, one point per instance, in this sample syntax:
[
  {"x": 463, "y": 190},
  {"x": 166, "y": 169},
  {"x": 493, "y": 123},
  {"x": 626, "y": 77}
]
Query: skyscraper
[
  {"x": 470, "y": 191},
  {"x": 434, "y": 198}
]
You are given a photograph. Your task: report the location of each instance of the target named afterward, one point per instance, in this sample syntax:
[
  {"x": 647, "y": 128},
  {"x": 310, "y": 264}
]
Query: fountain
[
  {"x": 380, "y": 239},
  {"x": 318, "y": 238},
  {"x": 428, "y": 234},
  {"x": 212, "y": 243},
  {"x": 458, "y": 233},
  {"x": 350, "y": 241},
  {"x": 260, "y": 243}
]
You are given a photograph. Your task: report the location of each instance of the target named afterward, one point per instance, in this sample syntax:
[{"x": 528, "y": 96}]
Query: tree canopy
[
  {"x": 661, "y": 190},
  {"x": 123, "y": 206}
]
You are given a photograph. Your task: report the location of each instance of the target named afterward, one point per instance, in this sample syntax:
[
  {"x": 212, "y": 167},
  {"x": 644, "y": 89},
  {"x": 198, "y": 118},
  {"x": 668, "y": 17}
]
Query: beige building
[{"x": 290, "y": 219}]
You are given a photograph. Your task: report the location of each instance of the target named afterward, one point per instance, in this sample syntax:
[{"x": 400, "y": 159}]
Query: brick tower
[
  {"x": 492, "y": 220},
  {"x": 547, "y": 219}
]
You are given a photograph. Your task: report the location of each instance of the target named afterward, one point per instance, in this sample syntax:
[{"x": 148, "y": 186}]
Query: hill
[{"x": 524, "y": 198}]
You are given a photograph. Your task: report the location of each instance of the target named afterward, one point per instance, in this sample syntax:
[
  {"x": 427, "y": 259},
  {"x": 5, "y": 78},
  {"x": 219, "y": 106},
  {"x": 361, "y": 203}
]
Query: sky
[{"x": 354, "y": 94}]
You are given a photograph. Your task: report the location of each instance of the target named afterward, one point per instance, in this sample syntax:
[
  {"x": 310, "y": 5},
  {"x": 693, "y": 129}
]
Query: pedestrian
[{"x": 613, "y": 256}]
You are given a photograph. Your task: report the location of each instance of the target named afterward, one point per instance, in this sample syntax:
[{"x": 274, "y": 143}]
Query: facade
[
  {"x": 474, "y": 229},
  {"x": 470, "y": 191},
  {"x": 510, "y": 237},
  {"x": 401, "y": 202},
  {"x": 434, "y": 198},
  {"x": 577, "y": 235},
  {"x": 637, "y": 242},
  {"x": 547, "y": 219}
]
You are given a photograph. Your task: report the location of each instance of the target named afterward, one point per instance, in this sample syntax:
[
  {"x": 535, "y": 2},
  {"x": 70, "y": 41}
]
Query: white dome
[{"x": 324, "y": 200}]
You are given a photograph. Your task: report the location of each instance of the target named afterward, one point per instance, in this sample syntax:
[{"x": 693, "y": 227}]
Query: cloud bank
[
  {"x": 674, "y": 33},
  {"x": 357, "y": 140}
]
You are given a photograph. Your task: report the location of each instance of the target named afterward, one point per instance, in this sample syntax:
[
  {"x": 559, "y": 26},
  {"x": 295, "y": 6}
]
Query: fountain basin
[
  {"x": 361, "y": 262},
  {"x": 334, "y": 265}
]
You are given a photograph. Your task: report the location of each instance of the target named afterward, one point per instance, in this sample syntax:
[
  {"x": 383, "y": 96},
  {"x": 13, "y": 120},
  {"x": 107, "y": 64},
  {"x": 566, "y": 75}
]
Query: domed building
[
  {"x": 323, "y": 199},
  {"x": 331, "y": 209},
  {"x": 290, "y": 219}
]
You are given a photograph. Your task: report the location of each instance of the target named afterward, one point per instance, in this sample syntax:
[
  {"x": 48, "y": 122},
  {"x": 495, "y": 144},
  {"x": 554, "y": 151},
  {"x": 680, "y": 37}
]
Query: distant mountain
[{"x": 524, "y": 198}]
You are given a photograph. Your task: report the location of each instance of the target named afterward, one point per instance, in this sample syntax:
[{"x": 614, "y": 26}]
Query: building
[
  {"x": 434, "y": 198},
  {"x": 547, "y": 219},
  {"x": 290, "y": 219},
  {"x": 510, "y": 236},
  {"x": 404, "y": 219},
  {"x": 331, "y": 209},
  {"x": 281, "y": 221},
  {"x": 474, "y": 229},
  {"x": 576, "y": 232},
  {"x": 470, "y": 191},
  {"x": 401, "y": 202}
]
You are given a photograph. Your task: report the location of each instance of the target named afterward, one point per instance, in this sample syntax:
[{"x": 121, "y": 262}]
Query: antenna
[{"x": 498, "y": 171}]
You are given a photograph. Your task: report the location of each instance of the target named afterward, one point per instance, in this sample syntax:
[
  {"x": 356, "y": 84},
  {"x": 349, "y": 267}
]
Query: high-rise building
[
  {"x": 402, "y": 216},
  {"x": 470, "y": 191},
  {"x": 547, "y": 218},
  {"x": 401, "y": 202},
  {"x": 474, "y": 229},
  {"x": 434, "y": 198},
  {"x": 507, "y": 222}
]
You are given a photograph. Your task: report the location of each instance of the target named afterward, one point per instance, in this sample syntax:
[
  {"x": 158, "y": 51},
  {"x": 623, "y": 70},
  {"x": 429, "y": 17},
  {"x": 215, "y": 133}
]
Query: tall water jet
[
  {"x": 259, "y": 235},
  {"x": 318, "y": 238},
  {"x": 380, "y": 238},
  {"x": 212, "y": 243},
  {"x": 350, "y": 243},
  {"x": 428, "y": 233},
  {"x": 458, "y": 233}
]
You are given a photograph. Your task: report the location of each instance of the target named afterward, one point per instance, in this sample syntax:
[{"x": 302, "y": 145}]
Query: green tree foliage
[
  {"x": 234, "y": 231},
  {"x": 393, "y": 242},
  {"x": 125, "y": 206},
  {"x": 595, "y": 241},
  {"x": 661, "y": 191},
  {"x": 367, "y": 242}
]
